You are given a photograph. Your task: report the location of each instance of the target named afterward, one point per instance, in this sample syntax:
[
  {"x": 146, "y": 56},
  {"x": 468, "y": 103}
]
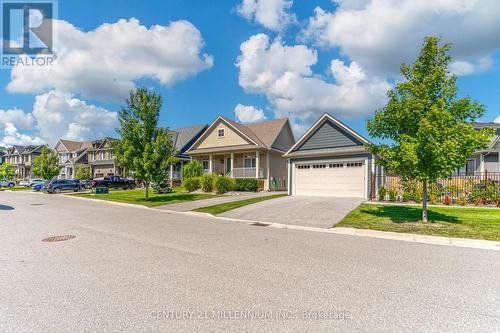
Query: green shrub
[
  {"x": 381, "y": 193},
  {"x": 406, "y": 197},
  {"x": 208, "y": 182},
  {"x": 192, "y": 169},
  {"x": 393, "y": 194},
  {"x": 418, "y": 195},
  {"x": 246, "y": 185},
  {"x": 192, "y": 184},
  {"x": 224, "y": 185},
  {"x": 433, "y": 199}
]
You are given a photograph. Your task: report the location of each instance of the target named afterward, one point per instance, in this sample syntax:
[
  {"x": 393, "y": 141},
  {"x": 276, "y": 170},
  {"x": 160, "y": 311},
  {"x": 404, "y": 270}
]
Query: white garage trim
[{"x": 364, "y": 160}]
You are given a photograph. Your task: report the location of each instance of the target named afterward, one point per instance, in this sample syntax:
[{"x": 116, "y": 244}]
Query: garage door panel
[{"x": 330, "y": 181}]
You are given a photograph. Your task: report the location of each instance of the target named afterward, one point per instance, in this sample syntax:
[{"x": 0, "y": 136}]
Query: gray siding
[
  {"x": 491, "y": 163},
  {"x": 329, "y": 135}
]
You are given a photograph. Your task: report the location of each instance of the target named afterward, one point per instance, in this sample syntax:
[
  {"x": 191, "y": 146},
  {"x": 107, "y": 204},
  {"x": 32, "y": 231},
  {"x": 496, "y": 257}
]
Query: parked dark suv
[
  {"x": 58, "y": 185},
  {"x": 114, "y": 182}
]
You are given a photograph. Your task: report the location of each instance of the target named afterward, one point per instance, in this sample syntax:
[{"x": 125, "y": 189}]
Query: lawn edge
[{"x": 261, "y": 199}]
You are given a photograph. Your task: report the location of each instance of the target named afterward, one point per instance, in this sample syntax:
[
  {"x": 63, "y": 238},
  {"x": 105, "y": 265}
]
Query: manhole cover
[
  {"x": 58, "y": 238},
  {"x": 258, "y": 224}
]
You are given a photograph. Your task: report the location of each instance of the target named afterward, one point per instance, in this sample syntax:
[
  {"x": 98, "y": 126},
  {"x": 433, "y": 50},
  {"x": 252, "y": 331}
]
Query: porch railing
[
  {"x": 246, "y": 173},
  {"x": 176, "y": 175}
]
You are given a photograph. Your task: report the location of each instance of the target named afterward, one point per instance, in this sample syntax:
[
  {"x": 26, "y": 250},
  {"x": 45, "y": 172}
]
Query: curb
[{"x": 415, "y": 238}]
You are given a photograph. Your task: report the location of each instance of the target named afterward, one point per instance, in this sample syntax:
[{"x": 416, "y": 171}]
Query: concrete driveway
[{"x": 320, "y": 212}]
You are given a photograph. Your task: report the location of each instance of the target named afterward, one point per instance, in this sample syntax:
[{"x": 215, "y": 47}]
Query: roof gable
[
  {"x": 328, "y": 133},
  {"x": 233, "y": 136}
]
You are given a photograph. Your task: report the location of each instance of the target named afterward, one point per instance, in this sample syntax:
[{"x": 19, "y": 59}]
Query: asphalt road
[{"x": 136, "y": 269}]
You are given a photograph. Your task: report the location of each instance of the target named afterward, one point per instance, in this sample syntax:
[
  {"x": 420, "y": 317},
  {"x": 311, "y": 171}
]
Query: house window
[
  {"x": 249, "y": 162},
  {"x": 354, "y": 164},
  {"x": 319, "y": 166},
  {"x": 470, "y": 167},
  {"x": 220, "y": 133},
  {"x": 205, "y": 165}
]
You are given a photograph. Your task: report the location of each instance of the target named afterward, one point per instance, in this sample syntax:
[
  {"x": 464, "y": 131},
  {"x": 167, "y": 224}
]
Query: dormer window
[{"x": 220, "y": 133}]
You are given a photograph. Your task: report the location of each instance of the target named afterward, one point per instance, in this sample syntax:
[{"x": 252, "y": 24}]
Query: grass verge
[
  {"x": 137, "y": 197},
  {"x": 222, "y": 208},
  {"x": 475, "y": 223}
]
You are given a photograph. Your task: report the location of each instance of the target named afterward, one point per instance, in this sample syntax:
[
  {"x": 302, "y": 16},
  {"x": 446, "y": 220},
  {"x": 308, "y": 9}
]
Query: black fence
[{"x": 477, "y": 188}]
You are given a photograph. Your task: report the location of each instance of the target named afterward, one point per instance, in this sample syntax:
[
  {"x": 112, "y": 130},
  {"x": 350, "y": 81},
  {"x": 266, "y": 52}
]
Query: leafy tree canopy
[
  {"x": 429, "y": 128},
  {"x": 46, "y": 165}
]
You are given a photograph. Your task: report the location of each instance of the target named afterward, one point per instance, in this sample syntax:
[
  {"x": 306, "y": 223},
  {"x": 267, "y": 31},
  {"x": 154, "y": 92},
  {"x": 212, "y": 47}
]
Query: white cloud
[
  {"x": 248, "y": 114},
  {"x": 462, "y": 68},
  {"x": 272, "y": 14},
  {"x": 284, "y": 75},
  {"x": 104, "y": 63},
  {"x": 497, "y": 120},
  {"x": 17, "y": 118},
  {"x": 60, "y": 115},
  {"x": 12, "y": 137},
  {"x": 379, "y": 35}
]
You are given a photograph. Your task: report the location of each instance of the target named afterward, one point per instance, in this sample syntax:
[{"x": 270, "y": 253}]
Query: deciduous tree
[
  {"x": 144, "y": 149},
  {"x": 428, "y": 129}
]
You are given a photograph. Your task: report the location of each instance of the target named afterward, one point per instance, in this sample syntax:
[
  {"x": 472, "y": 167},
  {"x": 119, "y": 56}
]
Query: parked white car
[
  {"x": 7, "y": 183},
  {"x": 24, "y": 182},
  {"x": 36, "y": 182}
]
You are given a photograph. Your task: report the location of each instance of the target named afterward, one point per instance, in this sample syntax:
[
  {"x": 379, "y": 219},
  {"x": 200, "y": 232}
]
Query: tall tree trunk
[
  {"x": 424, "y": 201},
  {"x": 147, "y": 190}
]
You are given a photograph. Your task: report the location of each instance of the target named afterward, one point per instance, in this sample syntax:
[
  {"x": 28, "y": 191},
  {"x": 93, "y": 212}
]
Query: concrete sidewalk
[{"x": 237, "y": 196}]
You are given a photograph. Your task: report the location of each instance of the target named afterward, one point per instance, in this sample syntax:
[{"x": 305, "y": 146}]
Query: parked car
[
  {"x": 36, "y": 182},
  {"x": 24, "y": 182},
  {"x": 114, "y": 182},
  {"x": 59, "y": 185},
  {"x": 39, "y": 187},
  {"x": 87, "y": 183},
  {"x": 7, "y": 183}
]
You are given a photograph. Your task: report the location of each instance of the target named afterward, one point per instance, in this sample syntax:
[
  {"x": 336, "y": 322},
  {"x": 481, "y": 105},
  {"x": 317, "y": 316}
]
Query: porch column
[
  {"x": 171, "y": 175},
  {"x": 481, "y": 163},
  {"x": 210, "y": 163},
  {"x": 257, "y": 164},
  {"x": 232, "y": 164}
]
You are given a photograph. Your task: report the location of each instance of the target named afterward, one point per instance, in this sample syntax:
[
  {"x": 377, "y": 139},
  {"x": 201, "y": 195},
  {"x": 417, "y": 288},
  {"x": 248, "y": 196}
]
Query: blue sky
[{"x": 291, "y": 75}]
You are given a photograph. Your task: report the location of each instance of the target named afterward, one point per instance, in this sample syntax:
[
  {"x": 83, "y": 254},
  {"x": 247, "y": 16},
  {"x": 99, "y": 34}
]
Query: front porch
[{"x": 249, "y": 164}]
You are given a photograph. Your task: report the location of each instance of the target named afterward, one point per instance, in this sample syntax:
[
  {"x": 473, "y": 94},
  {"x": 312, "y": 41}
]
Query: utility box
[{"x": 101, "y": 190}]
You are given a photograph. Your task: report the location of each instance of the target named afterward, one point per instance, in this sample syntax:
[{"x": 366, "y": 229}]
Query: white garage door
[{"x": 337, "y": 179}]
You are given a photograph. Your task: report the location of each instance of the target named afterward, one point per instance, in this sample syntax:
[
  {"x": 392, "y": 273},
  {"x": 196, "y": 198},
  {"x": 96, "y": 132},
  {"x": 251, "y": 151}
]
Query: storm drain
[
  {"x": 58, "y": 238},
  {"x": 36, "y": 204},
  {"x": 258, "y": 224}
]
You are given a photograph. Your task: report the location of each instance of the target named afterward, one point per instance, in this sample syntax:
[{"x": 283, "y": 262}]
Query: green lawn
[
  {"x": 15, "y": 188},
  {"x": 137, "y": 197},
  {"x": 478, "y": 223},
  {"x": 221, "y": 208}
]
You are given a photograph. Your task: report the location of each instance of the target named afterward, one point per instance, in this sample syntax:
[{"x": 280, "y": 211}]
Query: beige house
[
  {"x": 101, "y": 159},
  {"x": 22, "y": 157},
  {"x": 71, "y": 154},
  {"x": 246, "y": 151}
]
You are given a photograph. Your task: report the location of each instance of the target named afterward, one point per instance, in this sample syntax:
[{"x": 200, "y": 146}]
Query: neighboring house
[
  {"x": 101, "y": 160},
  {"x": 485, "y": 160},
  {"x": 246, "y": 151},
  {"x": 71, "y": 154},
  {"x": 3, "y": 151},
  {"x": 183, "y": 139},
  {"x": 22, "y": 157},
  {"x": 330, "y": 160}
]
